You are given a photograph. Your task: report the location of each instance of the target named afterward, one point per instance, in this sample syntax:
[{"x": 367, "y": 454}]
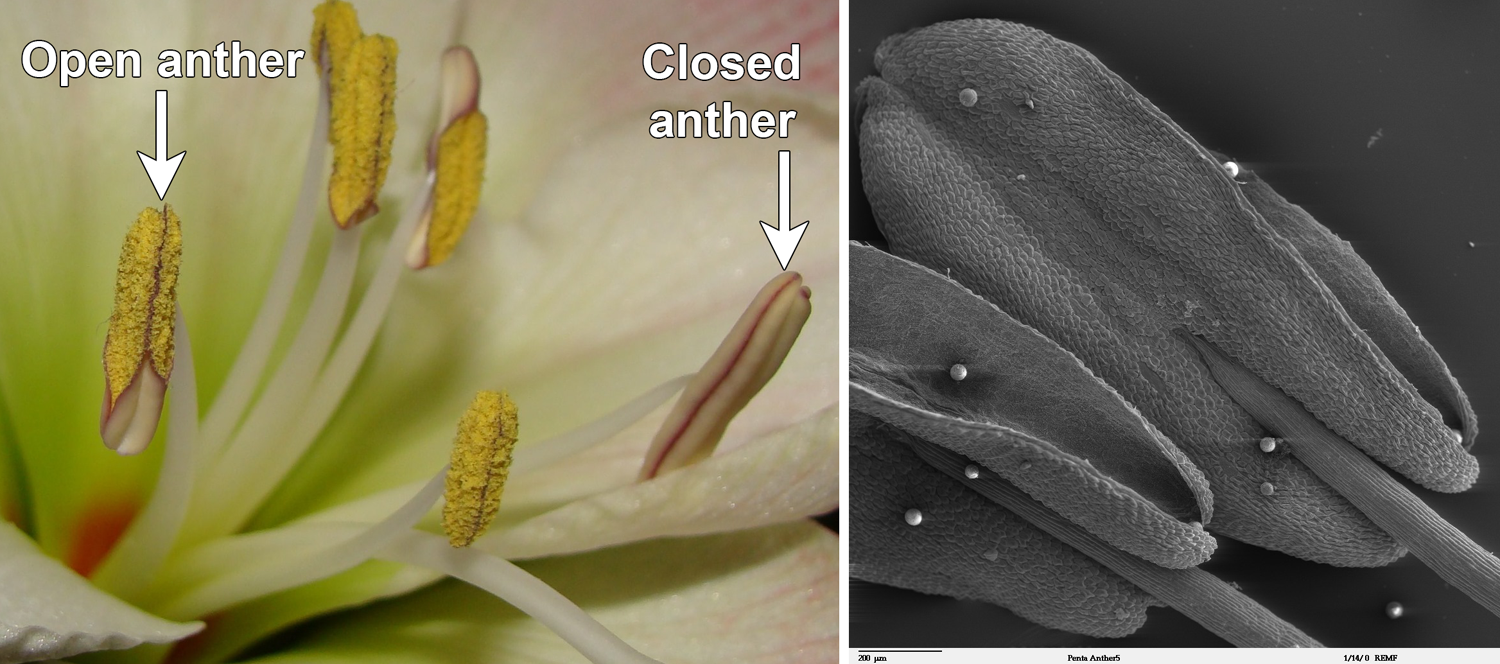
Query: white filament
[
  {"x": 531, "y": 595},
  {"x": 276, "y": 573},
  {"x": 225, "y": 508},
  {"x": 202, "y": 564},
  {"x": 135, "y": 559},
  {"x": 235, "y": 394},
  {"x": 273, "y": 453},
  {"x": 551, "y": 450}
]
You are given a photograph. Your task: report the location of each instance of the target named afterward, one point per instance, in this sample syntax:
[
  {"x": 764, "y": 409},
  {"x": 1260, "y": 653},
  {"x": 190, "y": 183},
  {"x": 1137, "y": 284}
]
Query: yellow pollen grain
[
  {"x": 336, "y": 25},
  {"x": 362, "y": 127},
  {"x": 460, "y": 175},
  {"x": 141, "y": 325},
  {"x": 479, "y": 466}
]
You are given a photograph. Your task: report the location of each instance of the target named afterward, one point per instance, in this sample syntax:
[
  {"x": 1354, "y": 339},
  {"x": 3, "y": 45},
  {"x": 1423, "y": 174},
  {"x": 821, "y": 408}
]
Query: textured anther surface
[
  {"x": 968, "y": 547},
  {"x": 479, "y": 466},
  {"x": 335, "y": 26},
  {"x": 1062, "y": 482},
  {"x": 1367, "y": 303},
  {"x": 919, "y": 322},
  {"x": 362, "y": 126},
  {"x": 141, "y": 325},
  {"x": 455, "y": 194},
  {"x": 1073, "y": 204},
  {"x": 1088, "y": 455}
]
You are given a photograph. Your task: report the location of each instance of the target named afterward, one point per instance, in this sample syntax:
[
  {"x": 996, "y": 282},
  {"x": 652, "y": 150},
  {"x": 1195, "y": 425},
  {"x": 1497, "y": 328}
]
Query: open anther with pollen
[{"x": 138, "y": 349}]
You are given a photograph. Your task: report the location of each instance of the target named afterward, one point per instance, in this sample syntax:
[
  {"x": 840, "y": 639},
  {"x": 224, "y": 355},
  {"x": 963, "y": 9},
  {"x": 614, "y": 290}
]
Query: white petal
[
  {"x": 47, "y": 611},
  {"x": 788, "y": 475},
  {"x": 759, "y": 597}
]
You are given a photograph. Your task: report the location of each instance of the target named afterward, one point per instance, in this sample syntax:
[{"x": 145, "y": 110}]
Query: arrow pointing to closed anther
[
  {"x": 161, "y": 169},
  {"x": 784, "y": 240}
]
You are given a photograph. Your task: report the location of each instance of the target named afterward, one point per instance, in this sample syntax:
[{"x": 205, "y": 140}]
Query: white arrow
[
  {"x": 161, "y": 170},
  {"x": 784, "y": 240}
]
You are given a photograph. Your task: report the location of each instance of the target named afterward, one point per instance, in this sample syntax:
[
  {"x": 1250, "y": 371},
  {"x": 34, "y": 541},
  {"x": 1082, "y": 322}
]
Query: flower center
[{"x": 218, "y": 472}]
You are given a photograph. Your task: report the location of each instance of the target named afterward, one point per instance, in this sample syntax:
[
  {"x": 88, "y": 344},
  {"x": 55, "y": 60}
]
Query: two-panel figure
[{"x": 775, "y": 332}]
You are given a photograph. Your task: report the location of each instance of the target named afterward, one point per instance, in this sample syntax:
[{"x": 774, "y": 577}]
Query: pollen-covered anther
[
  {"x": 138, "y": 348},
  {"x": 362, "y": 126},
  {"x": 456, "y": 156},
  {"x": 479, "y": 466},
  {"x": 742, "y": 365},
  {"x": 336, "y": 29}
]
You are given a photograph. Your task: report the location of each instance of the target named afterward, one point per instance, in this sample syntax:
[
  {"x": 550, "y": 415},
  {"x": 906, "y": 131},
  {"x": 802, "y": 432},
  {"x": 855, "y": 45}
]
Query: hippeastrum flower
[{"x": 307, "y": 411}]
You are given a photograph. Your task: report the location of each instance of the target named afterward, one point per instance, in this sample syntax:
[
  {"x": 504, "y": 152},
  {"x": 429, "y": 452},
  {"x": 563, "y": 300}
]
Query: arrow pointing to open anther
[
  {"x": 160, "y": 169},
  {"x": 784, "y": 240}
]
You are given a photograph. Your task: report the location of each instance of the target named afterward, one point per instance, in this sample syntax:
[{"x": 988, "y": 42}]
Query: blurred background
[{"x": 1379, "y": 119}]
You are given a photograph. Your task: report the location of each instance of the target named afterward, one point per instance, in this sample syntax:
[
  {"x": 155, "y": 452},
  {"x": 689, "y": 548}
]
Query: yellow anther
[
  {"x": 456, "y": 155},
  {"x": 139, "y": 346},
  {"x": 336, "y": 26},
  {"x": 743, "y": 364},
  {"x": 479, "y": 467},
  {"x": 361, "y": 128},
  {"x": 455, "y": 192}
]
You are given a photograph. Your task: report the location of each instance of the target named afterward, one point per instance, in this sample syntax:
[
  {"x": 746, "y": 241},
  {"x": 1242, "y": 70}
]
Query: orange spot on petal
[{"x": 97, "y": 530}]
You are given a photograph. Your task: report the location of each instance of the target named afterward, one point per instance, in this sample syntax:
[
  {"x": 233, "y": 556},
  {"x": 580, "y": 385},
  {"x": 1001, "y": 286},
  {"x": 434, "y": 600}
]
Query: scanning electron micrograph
[{"x": 1098, "y": 367}]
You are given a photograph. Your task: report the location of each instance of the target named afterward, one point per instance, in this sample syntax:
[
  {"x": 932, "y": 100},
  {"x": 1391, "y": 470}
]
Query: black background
[{"x": 1295, "y": 91}]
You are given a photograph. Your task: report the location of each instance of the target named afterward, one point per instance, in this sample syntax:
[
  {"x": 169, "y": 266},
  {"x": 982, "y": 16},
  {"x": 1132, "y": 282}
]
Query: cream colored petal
[
  {"x": 592, "y": 73},
  {"x": 47, "y": 611},
  {"x": 758, "y": 597}
]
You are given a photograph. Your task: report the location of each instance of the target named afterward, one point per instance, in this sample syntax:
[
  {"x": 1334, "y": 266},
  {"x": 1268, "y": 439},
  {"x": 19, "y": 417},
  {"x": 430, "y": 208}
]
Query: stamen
[
  {"x": 456, "y": 156},
  {"x": 201, "y": 563},
  {"x": 134, "y": 561},
  {"x": 471, "y": 484},
  {"x": 531, "y": 595},
  {"x": 479, "y": 467},
  {"x": 743, "y": 364},
  {"x": 363, "y": 93},
  {"x": 138, "y": 348}
]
